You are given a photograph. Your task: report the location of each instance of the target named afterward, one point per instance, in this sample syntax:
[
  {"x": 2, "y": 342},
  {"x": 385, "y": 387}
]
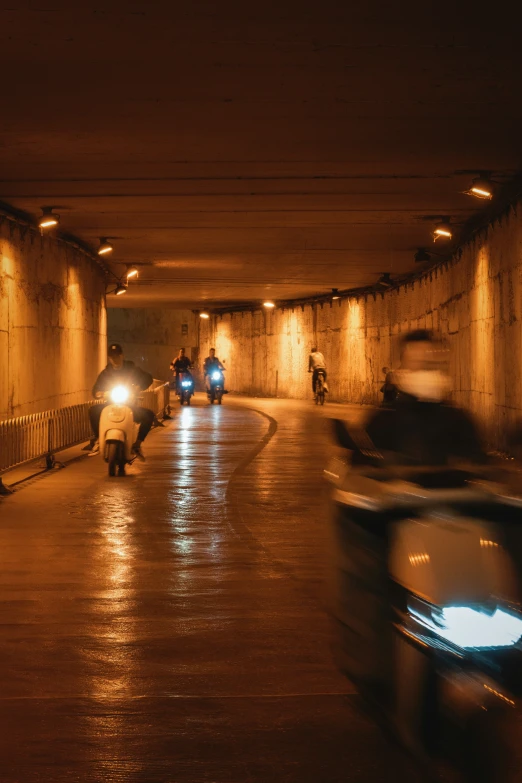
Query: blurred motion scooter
[{"x": 426, "y": 606}]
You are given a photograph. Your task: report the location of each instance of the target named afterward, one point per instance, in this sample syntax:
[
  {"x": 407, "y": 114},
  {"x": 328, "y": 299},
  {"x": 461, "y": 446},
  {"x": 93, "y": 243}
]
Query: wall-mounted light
[
  {"x": 385, "y": 280},
  {"x": 49, "y": 219},
  {"x": 105, "y": 247},
  {"x": 132, "y": 272},
  {"x": 481, "y": 187},
  {"x": 269, "y": 305},
  {"x": 203, "y": 314},
  {"x": 335, "y": 293},
  {"x": 442, "y": 230},
  {"x": 421, "y": 256},
  {"x": 121, "y": 288}
]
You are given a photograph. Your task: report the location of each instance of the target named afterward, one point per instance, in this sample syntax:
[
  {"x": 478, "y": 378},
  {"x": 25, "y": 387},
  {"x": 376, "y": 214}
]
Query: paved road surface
[{"x": 169, "y": 627}]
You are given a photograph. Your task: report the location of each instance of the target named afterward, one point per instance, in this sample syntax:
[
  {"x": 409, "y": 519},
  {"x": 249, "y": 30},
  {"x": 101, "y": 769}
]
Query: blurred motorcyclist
[
  {"x": 181, "y": 365},
  {"x": 121, "y": 373},
  {"x": 210, "y": 364},
  {"x": 421, "y": 425}
]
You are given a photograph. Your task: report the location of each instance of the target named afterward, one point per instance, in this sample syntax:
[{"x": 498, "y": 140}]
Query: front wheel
[
  {"x": 114, "y": 457},
  {"x": 219, "y": 397}
]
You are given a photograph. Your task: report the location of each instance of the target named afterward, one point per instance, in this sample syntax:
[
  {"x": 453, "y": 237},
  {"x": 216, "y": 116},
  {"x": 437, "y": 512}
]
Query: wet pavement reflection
[{"x": 170, "y": 626}]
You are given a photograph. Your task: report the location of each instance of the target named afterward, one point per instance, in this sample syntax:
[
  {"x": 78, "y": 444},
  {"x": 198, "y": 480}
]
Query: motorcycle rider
[
  {"x": 211, "y": 364},
  {"x": 421, "y": 428},
  {"x": 421, "y": 425},
  {"x": 180, "y": 365},
  {"x": 317, "y": 362},
  {"x": 125, "y": 373}
]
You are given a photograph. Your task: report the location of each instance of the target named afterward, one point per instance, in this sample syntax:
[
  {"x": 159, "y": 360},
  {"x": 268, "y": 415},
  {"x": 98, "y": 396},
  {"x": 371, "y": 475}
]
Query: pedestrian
[{"x": 389, "y": 388}]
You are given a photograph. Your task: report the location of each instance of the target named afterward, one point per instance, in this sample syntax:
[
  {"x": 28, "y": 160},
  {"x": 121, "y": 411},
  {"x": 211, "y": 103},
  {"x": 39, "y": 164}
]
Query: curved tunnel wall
[
  {"x": 52, "y": 322},
  {"x": 476, "y": 301}
]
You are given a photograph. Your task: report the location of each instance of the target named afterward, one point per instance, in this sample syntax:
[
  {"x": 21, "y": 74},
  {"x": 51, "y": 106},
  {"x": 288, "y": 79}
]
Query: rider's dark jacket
[
  {"x": 425, "y": 433},
  {"x": 126, "y": 375},
  {"x": 181, "y": 364},
  {"x": 211, "y": 364}
]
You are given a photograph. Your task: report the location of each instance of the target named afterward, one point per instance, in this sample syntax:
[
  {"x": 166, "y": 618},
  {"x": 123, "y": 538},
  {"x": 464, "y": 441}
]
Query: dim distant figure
[
  {"x": 317, "y": 363},
  {"x": 389, "y": 388},
  {"x": 181, "y": 364},
  {"x": 210, "y": 365}
]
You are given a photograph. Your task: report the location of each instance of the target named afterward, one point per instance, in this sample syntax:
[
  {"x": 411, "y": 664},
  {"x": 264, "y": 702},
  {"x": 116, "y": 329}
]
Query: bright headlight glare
[
  {"x": 186, "y": 383},
  {"x": 216, "y": 376},
  {"x": 119, "y": 394},
  {"x": 474, "y": 629}
]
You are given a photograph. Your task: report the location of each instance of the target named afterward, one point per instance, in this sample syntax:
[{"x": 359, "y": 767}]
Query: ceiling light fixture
[
  {"x": 49, "y": 219},
  {"x": 203, "y": 314},
  {"x": 121, "y": 288},
  {"x": 442, "y": 230},
  {"x": 421, "y": 256},
  {"x": 481, "y": 187},
  {"x": 132, "y": 272},
  {"x": 105, "y": 247},
  {"x": 335, "y": 293},
  {"x": 269, "y": 305}
]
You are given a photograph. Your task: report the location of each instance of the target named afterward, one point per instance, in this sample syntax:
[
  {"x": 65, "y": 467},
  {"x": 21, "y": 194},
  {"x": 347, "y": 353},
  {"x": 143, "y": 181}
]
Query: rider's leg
[
  {"x": 145, "y": 418},
  {"x": 95, "y": 412}
]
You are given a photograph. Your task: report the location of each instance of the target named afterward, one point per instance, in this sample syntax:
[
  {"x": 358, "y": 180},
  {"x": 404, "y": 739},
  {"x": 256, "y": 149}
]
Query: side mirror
[{"x": 342, "y": 435}]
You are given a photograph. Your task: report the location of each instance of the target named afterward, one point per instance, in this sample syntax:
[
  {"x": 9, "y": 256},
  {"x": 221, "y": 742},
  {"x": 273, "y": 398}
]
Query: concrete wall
[
  {"x": 476, "y": 302},
  {"x": 152, "y": 337},
  {"x": 52, "y": 322}
]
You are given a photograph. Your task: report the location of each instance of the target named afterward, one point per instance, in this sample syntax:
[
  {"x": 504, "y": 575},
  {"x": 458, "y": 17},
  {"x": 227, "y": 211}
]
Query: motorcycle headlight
[
  {"x": 472, "y": 629},
  {"x": 119, "y": 395},
  {"x": 186, "y": 383},
  {"x": 216, "y": 376}
]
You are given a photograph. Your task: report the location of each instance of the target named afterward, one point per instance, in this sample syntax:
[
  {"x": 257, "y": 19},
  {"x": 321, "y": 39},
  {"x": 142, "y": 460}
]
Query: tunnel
[{"x": 268, "y": 181}]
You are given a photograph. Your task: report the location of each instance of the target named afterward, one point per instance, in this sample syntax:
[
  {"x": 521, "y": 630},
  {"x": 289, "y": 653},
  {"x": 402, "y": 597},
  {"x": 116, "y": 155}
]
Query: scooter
[
  {"x": 426, "y": 604},
  {"x": 185, "y": 388},
  {"x": 216, "y": 386},
  {"x": 118, "y": 430}
]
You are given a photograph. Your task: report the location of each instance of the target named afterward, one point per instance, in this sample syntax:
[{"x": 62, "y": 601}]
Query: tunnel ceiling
[{"x": 239, "y": 151}]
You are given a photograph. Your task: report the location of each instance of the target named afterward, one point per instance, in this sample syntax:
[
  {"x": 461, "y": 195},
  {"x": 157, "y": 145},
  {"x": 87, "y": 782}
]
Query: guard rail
[{"x": 42, "y": 435}]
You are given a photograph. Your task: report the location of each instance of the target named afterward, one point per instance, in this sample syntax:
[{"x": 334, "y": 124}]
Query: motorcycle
[
  {"x": 426, "y": 607},
  {"x": 185, "y": 387},
  {"x": 216, "y": 386},
  {"x": 118, "y": 430}
]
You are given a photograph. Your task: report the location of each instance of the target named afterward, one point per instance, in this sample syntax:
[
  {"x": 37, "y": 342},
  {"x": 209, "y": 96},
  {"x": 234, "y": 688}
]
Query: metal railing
[
  {"x": 157, "y": 398},
  {"x": 41, "y": 435}
]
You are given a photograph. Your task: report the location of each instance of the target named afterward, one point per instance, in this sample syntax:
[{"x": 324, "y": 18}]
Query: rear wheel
[{"x": 114, "y": 457}]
